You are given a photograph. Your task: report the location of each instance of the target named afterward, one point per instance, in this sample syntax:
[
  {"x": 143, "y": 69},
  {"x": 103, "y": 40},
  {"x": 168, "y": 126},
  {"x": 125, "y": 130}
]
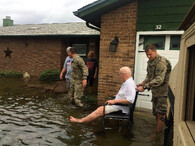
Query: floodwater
[{"x": 29, "y": 116}]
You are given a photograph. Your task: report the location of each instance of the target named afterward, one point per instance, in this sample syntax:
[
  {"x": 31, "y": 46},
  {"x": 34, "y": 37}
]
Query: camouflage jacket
[
  {"x": 158, "y": 73},
  {"x": 79, "y": 70}
]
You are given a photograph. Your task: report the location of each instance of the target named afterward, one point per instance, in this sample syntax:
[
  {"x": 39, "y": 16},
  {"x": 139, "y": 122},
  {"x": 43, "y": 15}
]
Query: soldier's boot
[
  {"x": 71, "y": 100},
  {"x": 78, "y": 103}
]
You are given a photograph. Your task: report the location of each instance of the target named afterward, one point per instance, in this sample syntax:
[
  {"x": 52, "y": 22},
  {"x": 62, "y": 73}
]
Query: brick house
[
  {"x": 38, "y": 47},
  {"x": 136, "y": 23}
]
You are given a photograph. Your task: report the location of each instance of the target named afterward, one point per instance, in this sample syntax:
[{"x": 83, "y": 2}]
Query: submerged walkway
[{"x": 29, "y": 116}]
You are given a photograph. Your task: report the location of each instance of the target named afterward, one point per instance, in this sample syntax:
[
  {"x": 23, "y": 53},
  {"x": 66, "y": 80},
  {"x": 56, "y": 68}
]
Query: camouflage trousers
[
  {"x": 76, "y": 92},
  {"x": 159, "y": 105}
]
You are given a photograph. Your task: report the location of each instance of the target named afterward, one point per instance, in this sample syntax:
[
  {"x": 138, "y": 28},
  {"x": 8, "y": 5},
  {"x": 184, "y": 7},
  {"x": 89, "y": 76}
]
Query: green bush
[
  {"x": 50, "y": 75},
  {"x": 10, "y": 74}
]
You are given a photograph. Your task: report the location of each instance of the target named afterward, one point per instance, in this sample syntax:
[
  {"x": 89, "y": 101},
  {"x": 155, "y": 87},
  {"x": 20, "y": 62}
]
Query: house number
[{"x": 158, "y": 27}]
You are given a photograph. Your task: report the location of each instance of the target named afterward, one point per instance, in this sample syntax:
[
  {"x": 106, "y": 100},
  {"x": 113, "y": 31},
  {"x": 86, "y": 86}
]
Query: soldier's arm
[
  {"x": 84, "y": 69},
  {"x": 146, "y": 80},
  {"x": 159, "y": 76}
]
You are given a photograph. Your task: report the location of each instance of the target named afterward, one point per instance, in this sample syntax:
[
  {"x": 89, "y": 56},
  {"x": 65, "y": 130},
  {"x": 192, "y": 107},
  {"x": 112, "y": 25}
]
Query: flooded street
[{"x": 28, "y": 116}]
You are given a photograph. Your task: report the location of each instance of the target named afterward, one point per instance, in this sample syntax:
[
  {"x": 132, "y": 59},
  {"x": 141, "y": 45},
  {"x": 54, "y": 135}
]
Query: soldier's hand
[
  {"x": 84, "y": 83},
  {"x": 142, "y": 83},
  {"x": 140, "y": 88}
]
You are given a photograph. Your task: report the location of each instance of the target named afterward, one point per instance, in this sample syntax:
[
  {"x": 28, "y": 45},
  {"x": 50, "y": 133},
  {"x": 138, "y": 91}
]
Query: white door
[{"x": 144, "y": 98}]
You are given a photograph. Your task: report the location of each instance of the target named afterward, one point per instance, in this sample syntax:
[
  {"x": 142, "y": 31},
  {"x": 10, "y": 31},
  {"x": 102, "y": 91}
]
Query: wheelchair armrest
[{"x": 123, "y": 104}]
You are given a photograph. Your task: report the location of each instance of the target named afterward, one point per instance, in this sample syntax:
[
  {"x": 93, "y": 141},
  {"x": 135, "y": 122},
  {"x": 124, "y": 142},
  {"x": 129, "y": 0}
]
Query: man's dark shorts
[{"x": 159, "y": 105}]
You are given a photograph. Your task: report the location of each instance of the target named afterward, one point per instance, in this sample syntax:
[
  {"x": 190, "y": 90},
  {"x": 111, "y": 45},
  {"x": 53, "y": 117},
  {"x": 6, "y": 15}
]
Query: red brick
[{"x": 122, "y": 23}]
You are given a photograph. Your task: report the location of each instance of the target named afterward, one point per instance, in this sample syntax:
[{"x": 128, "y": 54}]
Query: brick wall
[
  {"x": 122, "y": 23},
  {"x": 37, "y": 55}
]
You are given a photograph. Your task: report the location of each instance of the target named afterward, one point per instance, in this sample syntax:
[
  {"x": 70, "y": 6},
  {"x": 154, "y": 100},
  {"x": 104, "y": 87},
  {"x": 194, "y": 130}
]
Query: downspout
[{"x": 87, "y": 24}]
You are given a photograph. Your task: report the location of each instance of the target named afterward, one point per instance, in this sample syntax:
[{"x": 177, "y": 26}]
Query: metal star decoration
[{"x": 8, "y": 53}]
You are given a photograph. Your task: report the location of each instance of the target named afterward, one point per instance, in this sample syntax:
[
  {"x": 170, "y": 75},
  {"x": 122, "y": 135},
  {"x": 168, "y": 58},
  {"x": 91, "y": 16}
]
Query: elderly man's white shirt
[{"x": 127, "y": 91}]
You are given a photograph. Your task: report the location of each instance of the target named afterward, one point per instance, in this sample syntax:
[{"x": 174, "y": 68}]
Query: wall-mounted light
[{"x": 114, "y": 44}]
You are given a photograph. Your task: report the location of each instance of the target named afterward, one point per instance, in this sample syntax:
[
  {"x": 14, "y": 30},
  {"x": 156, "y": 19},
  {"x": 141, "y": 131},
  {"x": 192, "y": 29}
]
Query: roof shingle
[{"x": 74, "y": 28}]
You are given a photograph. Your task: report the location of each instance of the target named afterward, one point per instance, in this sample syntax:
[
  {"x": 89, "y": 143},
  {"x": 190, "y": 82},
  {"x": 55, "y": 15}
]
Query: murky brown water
[{"x": 30, "y": 117}]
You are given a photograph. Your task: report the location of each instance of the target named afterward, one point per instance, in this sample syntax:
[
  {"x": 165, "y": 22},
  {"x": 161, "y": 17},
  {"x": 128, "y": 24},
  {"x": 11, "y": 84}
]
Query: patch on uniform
[{"x": 159, "y": 70}]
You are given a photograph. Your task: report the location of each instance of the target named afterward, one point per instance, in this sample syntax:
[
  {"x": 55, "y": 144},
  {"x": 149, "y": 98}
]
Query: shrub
[
  {"x": 50, "y": 75},
  {"x": 10, "y": 74}
]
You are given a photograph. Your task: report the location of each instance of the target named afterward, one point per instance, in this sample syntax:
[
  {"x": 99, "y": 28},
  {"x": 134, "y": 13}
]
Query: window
[
  {"x": 190, "y": 97},
  {"x": 175, "y": 42},
  {"x": 158, "y": 41},
  {"x": 81, "y": 50}
]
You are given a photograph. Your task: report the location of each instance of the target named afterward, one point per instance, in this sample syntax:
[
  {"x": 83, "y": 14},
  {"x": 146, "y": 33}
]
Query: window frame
[
  {"x": 172, "y": 37},
  {"x": 190, "y": 95},
  {"x": 153, "y": 38},
  {"x": 79, "y": 45}
]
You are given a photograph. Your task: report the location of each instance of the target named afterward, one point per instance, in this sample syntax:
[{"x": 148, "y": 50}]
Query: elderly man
[
  {"x": 158, "y": 72},
  {"x": 126, "y": 95},
  {"x": 67, "y": 68}
]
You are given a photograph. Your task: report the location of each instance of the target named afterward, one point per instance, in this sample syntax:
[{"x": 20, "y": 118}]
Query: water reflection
[{"x": 30, "y": 117}]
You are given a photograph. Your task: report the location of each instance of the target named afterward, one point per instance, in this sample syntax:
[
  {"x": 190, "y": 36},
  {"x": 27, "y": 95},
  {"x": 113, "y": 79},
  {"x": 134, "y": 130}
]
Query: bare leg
[
  {"x": 159, "y": 124},
  {"x": 159, "y": 127},
  {"x": 94, "y": 115}
]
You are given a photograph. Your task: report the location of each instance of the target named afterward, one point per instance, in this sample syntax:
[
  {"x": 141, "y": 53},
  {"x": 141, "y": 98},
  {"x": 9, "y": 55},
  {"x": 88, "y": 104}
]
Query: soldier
[
  {"x": 78, "y": 81},
  {"x": 158, "y": 72}
]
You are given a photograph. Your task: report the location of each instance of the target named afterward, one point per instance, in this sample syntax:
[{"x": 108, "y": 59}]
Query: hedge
[
  {"x": 50, "y": 75},
  {"x": 10, "y": 74}
]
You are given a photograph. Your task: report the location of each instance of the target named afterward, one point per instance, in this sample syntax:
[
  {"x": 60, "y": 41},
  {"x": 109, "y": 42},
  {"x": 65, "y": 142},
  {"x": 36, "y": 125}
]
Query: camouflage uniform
[
  {"x": 79, "y": 72},
  {"x": 158, "y": 73}
]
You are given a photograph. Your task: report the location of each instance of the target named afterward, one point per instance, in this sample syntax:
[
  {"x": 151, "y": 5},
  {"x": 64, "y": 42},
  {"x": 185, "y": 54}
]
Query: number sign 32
[{"x": 158, "y": 26}]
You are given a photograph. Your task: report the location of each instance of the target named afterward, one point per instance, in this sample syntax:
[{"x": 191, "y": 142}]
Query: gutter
[{"x": 90, "y": 26}]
